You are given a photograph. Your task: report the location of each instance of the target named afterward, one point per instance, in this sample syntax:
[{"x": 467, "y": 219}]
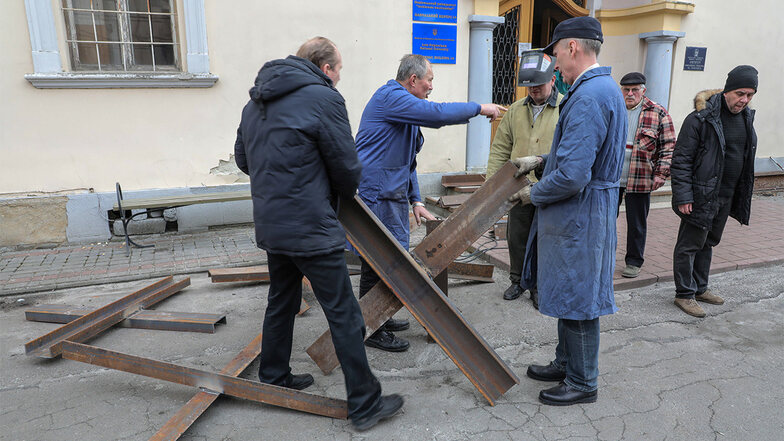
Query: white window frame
[{"x": 49, "y": 73}]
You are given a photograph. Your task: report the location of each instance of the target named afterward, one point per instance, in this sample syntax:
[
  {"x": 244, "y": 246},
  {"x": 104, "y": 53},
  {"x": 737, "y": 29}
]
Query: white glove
[
  {"x": 524, "y": 196},
  {"x": 526, "y": 164}
]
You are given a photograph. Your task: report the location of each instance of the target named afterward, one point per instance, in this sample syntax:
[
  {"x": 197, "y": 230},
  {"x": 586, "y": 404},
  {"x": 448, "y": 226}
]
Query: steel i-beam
[
  {"x": 192, "y": 410},
  {"x": 217, "y": 383},
  {"x": 143, "y": 319},
  {"x": 92, "y": 324},
  {"x": 417, "y": 291}
]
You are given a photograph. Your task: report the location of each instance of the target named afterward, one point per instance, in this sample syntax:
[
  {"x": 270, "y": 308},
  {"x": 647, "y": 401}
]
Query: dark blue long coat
[{"x": 577, "y": 199}]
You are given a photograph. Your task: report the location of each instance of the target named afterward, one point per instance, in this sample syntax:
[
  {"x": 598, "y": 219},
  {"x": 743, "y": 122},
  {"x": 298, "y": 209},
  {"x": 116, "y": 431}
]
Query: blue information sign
[
  {"x": 437, "y": 43},
  {"x": 695, "y": 58},
  {"x": 439, "y": 11}
]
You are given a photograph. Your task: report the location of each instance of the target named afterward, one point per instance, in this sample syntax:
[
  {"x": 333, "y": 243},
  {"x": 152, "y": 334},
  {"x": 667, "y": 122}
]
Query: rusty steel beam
[
  {"x": 467, "y": 225},
  {"x": 462, "y": 180},
  {"x": 258, "y": 273},
  {"x": 452, "y": 200},
  {"x": 477, "y": 272},
  {"x": 192, "y": 410},
  {"x": 144, "y": 319},
  {"x": 217, "y": 383},
  {"x": 92, "y": 324}
]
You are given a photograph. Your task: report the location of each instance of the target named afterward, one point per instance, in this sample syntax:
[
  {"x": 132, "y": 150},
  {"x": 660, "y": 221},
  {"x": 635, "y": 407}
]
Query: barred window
[{"x": 121, "y": 35}]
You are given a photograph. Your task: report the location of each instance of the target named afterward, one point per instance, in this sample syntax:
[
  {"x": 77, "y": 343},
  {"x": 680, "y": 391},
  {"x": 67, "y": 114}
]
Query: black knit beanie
[{"x": 741, "y": 77}]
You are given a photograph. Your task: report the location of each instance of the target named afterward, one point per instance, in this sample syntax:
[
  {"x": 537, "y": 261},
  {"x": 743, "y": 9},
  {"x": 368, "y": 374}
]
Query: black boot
[
  {"x": 394, "y": 325},
  {"x": 387, "y": 341},
  {"x": 513, "y": 292},
  {"x": 388, "y": 406}
]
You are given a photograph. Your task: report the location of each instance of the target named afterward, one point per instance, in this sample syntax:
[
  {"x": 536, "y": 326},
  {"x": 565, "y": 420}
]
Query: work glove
[
  {"x": 526, "y": 164},
  {"x": 524, "y": 196}
]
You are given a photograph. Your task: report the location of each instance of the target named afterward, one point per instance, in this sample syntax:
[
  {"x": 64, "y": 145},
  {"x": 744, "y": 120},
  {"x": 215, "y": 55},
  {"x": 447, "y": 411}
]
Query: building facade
[{"x": 149, "y": 94}]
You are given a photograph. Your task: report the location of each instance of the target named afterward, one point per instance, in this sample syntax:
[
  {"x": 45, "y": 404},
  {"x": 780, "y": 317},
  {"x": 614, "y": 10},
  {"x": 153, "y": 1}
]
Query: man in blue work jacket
[
  {"x": 576, "y": 202},
  {"x": 387, "y": 143}
]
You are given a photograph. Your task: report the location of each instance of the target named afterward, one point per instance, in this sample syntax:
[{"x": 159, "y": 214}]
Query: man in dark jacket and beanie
[
  {"x": 295, "y": 143},
  {"x": 712, "y": 178}
]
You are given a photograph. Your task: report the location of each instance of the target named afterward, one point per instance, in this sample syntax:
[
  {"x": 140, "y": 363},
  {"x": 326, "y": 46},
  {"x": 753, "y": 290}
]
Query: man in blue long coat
[
  {"x": 387, "y": 143},
  {"x": 576, "y": 203}
]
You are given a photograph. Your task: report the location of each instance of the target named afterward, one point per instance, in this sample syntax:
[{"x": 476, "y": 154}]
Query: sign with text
[
  {"x": 695, "y": 58},
  {"x": 437, "y": 43},
  {"x": 439, "y": 11}
]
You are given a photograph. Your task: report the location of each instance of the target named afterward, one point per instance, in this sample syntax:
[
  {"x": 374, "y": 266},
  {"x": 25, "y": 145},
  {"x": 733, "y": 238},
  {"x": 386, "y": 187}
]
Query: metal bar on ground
[
  {"x": 258, "y": 273},
  {"x": 452, "y": 200},
  {"x": 478, "y": 272},
  {"x": 467, "y": 224},
  {"x": 92, "y": 324},
  {"x": 462, "y": 180},
  {"x": 218, "y": 383},
  {"x": 144, "y": 319},
  {"x": 192, "y": 410}
]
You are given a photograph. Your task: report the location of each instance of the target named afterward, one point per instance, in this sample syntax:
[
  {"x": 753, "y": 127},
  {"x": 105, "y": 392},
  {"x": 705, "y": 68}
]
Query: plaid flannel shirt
[{"x": 653, "y": 145}]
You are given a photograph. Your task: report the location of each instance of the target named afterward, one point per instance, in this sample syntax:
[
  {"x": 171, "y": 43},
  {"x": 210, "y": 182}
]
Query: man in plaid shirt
[{"x": 649, "y": 144}]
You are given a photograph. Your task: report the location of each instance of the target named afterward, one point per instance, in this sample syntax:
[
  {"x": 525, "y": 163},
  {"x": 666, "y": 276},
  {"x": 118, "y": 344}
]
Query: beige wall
[
  {"x": 60, "y": 139},
  {"x": 734, "y": 34}
]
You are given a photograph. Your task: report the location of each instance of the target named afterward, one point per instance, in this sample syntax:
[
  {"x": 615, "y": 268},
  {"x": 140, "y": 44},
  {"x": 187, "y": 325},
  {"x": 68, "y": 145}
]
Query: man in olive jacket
[
  {"x": 712, "y": 178},
  {"x": 295, "y": 143},
  {"x": 526, "y": 130}
]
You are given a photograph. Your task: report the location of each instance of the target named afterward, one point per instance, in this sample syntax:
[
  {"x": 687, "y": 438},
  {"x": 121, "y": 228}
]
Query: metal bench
[{"x": 164, "y": 203}]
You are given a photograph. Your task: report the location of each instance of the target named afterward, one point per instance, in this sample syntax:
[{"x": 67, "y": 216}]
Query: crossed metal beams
[{"x": 405, "y": 281}]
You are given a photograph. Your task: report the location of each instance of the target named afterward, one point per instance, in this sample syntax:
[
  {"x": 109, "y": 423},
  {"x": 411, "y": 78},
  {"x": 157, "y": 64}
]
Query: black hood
[{"x": 281, "y": 77}]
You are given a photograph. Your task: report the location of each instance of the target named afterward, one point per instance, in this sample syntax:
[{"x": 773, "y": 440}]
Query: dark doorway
[{"x": 547, "y": 15}]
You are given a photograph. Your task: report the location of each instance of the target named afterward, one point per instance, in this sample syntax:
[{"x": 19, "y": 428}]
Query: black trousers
[
  {"x": 637, "y": 207},
  {"x": 331, "y": 284},
  {"x": 367, "y": 278},
  {"x": 518, "y": 227},
  {"x": 691, "y": 258}
]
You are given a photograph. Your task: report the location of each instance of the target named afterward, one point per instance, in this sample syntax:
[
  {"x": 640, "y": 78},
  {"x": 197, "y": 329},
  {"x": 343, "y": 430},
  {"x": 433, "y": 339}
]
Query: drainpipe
[{"x": 480, "y": 88}]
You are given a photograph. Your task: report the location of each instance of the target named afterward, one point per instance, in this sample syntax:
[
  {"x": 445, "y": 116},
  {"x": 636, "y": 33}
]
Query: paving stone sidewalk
[
  {"x": 70, "y": 266},
  {"x": 67, "y": 266},
  {"x": 761, "y": 243}
]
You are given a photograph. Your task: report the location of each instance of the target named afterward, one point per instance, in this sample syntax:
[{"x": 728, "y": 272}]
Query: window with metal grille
[
  {"x": 505, "y": 41},
  {"x": 121, "y": 35}
]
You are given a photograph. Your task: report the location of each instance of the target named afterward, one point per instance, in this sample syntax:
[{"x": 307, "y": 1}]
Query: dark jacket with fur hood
[{"x": 698, "y": 163}]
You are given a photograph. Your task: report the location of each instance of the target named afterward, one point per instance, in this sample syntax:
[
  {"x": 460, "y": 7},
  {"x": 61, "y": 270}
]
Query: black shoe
[
  {"x": 394, "y": 325},
  {"x": 545, "y": 373},
  {"x": 387, "y": 341},
  {"x": 387, "y": 406},
  {"x": 534, "y": 298},
  {"x": 565, "y": 395},
  {"x": 298, "y": 382},
  {"x": 513, "y": 292}
]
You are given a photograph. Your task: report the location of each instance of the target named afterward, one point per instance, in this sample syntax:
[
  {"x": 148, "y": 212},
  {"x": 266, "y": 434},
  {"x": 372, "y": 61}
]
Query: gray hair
[
  {"x": 590, "y": 46},
  {"x": 412, "y": 64}
]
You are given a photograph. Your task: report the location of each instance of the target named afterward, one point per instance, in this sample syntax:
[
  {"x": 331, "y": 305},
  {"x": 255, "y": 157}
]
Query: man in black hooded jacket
[
  {"x": 712, "y": 175},
  {"x": 295, "y": 143}
]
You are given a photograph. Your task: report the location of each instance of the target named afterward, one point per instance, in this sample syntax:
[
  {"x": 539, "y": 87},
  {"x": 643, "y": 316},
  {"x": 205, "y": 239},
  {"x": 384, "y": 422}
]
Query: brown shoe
[
  {"x": 709, "y": 297},
  {"x": 690, "y": 306}
]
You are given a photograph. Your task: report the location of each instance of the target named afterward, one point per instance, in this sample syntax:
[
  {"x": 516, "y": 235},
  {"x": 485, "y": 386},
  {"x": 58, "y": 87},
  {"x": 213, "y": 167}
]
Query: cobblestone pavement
[{"x": 67, "y": 266}]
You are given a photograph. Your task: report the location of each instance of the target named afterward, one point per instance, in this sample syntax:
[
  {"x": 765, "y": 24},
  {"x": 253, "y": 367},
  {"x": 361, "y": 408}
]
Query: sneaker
[
  {"x": 394, "y": 325},
  {"x": 631, "y": 271},
  {"x": 709, "y": 297},
  {"x": 388, "y": 405},
  {"x": 387, "y": 341},
  {"x": 513, "y": 292},
  {"x": 690, "y": 306}
]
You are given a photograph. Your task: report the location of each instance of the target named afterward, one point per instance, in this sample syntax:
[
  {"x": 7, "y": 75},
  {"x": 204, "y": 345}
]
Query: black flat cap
[
  {"x": 633, "y": 78},
  {"x": 576, "y": 27}
]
